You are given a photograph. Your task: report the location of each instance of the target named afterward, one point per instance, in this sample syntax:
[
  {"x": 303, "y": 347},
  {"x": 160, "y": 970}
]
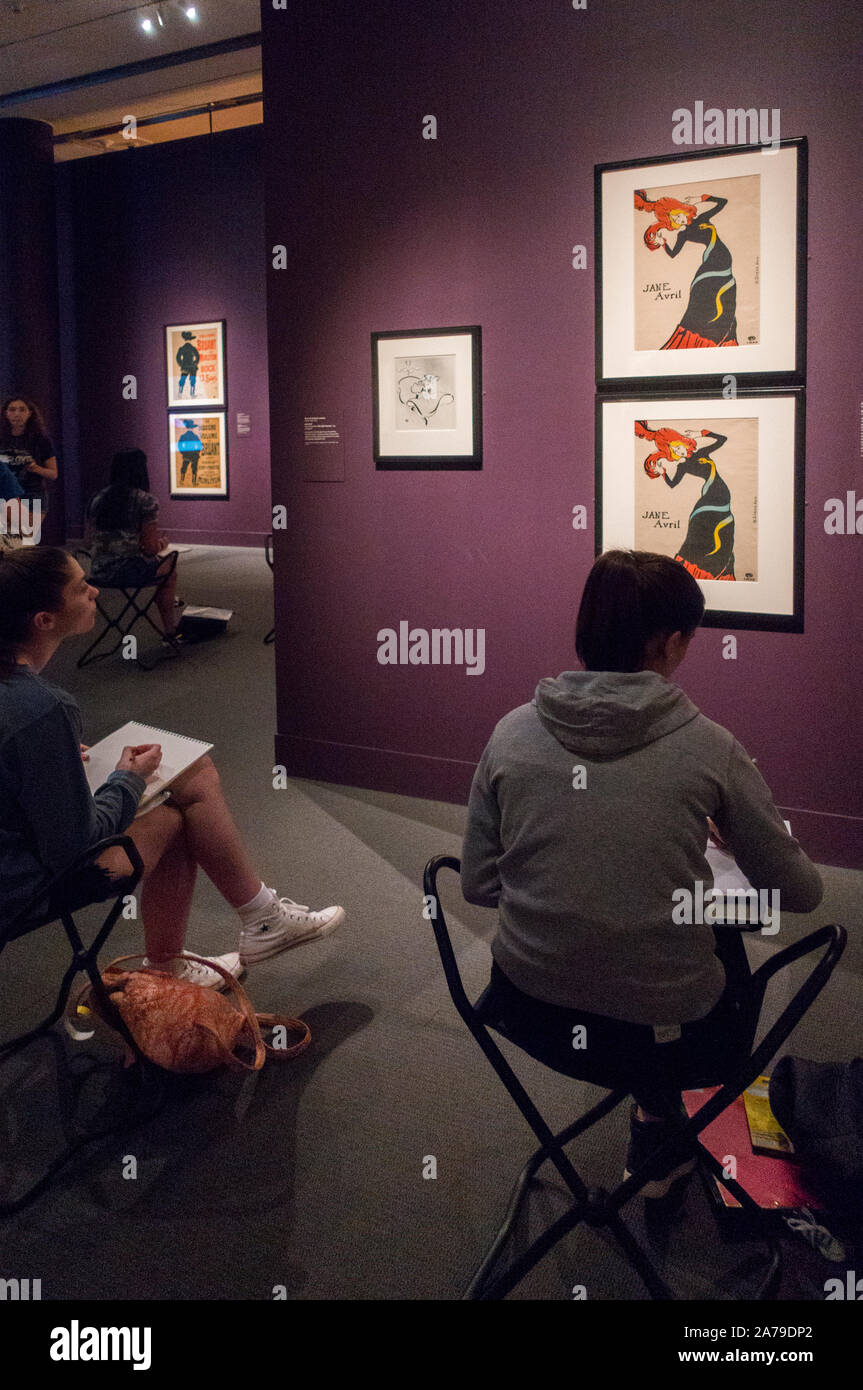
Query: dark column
[{"x": 29, "y": 312}]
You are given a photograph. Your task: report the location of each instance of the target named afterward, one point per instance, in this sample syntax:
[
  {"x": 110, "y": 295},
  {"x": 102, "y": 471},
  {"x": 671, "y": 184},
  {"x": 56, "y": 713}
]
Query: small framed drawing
[
  {"x": 701, "y": 268},
  {"x": 427, "y": 398},
  {"x": 198, "y": 447},
  {"x": 716, "y": 484},
  {"x": 195, "y": 355}
]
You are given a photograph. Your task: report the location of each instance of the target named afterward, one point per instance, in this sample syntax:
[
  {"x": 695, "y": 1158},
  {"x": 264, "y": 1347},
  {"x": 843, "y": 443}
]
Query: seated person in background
[
  {"x": 124, "y": 538},
  {"x": 49, "y": 817},
  {"x": 583, "y": 867}
]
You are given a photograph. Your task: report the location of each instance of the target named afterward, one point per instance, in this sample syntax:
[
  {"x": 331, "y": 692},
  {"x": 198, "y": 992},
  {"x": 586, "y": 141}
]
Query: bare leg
[
  {"x": 169, "y": 878},
  {"x": 211, "y": 835},
  {"x": 165, "y": 598}
]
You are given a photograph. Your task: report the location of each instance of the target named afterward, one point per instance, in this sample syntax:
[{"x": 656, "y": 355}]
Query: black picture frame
[
  {"x": 675, "y": 380},
  {"x": 193, "y": 494},
  {"x": 198, "y": 402},
  {"x": 385, "y": 447},
  {"x": 649, "y": 403}
]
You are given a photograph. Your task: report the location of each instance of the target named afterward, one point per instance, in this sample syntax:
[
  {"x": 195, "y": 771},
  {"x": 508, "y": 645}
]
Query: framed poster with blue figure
[{"x": 198, "y": 447}]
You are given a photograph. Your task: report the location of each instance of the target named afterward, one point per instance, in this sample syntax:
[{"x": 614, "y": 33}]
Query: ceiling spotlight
[
  {"x": 190, "y": 12},
  {"x": 153, "y": 19}
]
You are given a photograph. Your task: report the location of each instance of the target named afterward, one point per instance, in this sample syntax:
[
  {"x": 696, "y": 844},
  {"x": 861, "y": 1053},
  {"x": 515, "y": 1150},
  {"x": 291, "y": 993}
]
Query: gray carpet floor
[{"x": 309, "y": 1176}]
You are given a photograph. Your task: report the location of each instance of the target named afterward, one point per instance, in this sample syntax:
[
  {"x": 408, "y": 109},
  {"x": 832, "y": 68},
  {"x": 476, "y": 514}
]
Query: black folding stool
[
  {"x": 268, "y": 556},
  {"x": 595, "y": 1206},
  {"x": 84, "y": 961},
  {"x": 131, "y": 593}
]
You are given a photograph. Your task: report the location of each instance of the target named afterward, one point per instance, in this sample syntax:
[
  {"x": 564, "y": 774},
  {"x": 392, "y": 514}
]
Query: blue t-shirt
[
  {"x": 9, "y": 485},
  {"x": 20, "y": 452}
]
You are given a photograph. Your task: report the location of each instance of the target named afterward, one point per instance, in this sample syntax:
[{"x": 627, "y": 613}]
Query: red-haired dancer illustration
[
  {"x": 708, "y": 551},
  {"x": 710, "y": 319}
]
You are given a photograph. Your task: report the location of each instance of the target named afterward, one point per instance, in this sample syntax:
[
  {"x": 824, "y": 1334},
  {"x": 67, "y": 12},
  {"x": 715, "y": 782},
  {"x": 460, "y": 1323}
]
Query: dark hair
[
  {"x": 31, "y": 581},
  {"x": 34, "y": 428},
  {"x": 630, "y": 598},
  {"x": 128, "y": 471}
]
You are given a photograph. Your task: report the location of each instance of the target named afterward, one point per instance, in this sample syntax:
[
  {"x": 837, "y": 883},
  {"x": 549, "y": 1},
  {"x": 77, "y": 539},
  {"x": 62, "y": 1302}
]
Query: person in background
[
  {"x": 26, "y": 449},
  {"x": 10, "y": 492},
  {"x": 588, "y": 814},
  {"x": 49, "y": 817},
  {"x": 124, "y": 539}
]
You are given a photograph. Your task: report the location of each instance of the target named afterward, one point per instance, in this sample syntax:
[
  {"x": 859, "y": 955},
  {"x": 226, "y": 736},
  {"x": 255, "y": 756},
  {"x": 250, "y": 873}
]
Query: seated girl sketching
[
  {"x": 48, "y": 816},
  {"x": 589, "y": 809},
  {"x": 125, "y": 541}
]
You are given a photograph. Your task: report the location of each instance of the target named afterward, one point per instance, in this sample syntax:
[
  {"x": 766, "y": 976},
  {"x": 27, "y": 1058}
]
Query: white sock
[{"x": 261, "y": 900}]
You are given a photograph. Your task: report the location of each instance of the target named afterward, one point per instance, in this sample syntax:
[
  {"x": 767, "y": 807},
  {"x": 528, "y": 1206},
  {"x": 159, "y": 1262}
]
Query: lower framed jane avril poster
[
  {"x": 716, "y": 484},
  {"x": 198, "y": 446}
]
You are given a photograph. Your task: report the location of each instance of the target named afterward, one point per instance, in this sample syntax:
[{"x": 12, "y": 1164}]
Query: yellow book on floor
[{"x": 765, "y": 1131}]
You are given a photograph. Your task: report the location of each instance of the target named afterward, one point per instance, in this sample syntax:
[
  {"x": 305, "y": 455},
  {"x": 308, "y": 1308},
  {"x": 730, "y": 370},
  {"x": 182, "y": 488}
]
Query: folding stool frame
[
  {"x": 268, "y": 556},
  {"x": 84, "y": 961},
  {"x": 131, "y": 593},
  {"x": 596, "y": 1206}
]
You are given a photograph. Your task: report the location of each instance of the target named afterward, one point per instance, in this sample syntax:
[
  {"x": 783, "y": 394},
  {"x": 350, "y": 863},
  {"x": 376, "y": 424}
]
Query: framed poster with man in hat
[
  {"x": 198, "y": 446},
  {"x": 196, "y": 364}
]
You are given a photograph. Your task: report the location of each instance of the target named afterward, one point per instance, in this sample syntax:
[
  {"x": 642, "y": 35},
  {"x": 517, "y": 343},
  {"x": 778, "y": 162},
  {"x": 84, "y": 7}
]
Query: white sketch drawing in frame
[{"x": 425, "y": 392}]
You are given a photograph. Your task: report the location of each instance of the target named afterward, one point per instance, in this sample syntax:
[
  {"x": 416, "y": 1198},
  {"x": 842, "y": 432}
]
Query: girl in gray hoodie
[{"x": 587, "y": 826}]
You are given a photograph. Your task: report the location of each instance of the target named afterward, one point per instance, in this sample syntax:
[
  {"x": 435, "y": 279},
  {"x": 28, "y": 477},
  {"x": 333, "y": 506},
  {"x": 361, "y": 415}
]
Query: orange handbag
[{"x": 185, "y": 1027}]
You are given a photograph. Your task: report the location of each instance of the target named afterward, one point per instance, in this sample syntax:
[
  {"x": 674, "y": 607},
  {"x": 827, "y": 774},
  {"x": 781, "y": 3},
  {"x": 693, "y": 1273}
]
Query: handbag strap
[{"x": 270, "y": 1021}]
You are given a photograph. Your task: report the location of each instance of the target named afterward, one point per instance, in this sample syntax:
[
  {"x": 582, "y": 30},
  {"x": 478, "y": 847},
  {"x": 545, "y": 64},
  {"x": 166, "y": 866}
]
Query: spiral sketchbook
[{"x": 178, "y": 754}]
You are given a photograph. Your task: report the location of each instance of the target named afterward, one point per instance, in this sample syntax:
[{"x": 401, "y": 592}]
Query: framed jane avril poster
[
  {"x": 701, "y": 267},
  {"x": 716, "y": 484},
  {"x": 195, "y": 354}
]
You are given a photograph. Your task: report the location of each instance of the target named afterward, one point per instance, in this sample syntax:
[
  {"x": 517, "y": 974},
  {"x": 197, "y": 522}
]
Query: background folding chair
[
  {"x": 268, "y": 556},
  {"x": 136, "y": 612},
  {"x": 596, "y": 1206},
  {"x": 84, "y": 962}
]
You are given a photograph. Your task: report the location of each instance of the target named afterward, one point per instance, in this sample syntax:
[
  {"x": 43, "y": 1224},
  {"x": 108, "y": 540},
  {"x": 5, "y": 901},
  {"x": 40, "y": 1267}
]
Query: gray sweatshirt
[
  {"x": 48, "y": 815},
  {"x": 583, "y": 877}
]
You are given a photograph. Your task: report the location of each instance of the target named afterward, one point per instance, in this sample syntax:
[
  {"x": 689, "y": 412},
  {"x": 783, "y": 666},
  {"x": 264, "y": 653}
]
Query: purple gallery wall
[
  {"x": 148, "y": 237},
  {"x": 386, "y": 230}
]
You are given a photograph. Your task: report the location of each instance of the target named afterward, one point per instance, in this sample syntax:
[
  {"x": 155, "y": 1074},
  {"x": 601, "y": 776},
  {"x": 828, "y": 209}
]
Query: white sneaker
[
  {"x": 195, "y": 974},
  {"x": 283, "y": 925}
]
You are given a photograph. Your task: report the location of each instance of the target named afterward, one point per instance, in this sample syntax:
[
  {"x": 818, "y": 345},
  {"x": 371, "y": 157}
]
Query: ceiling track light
[{"x": 153, "y": 17}]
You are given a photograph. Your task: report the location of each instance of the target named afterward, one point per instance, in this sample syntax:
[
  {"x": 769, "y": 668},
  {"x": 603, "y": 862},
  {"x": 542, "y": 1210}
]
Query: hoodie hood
[{"x": 604, "y": 714}]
